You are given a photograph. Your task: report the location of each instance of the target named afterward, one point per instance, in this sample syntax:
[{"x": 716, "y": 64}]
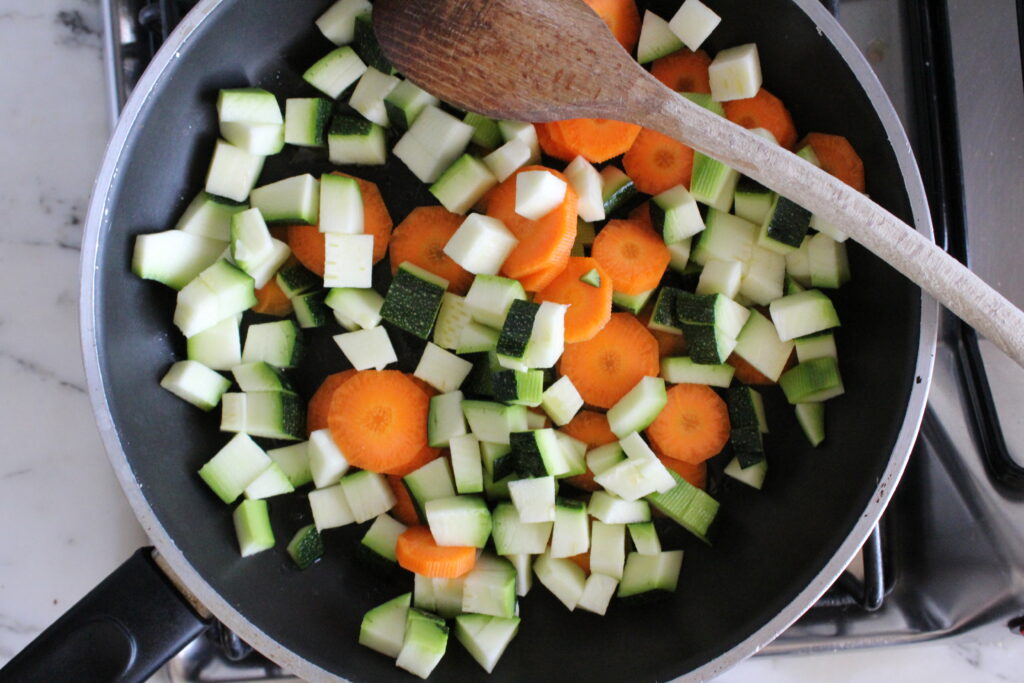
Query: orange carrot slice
[
  {"x": 538, "y": 280},
  {"x": 642, "y": 213},
  {"x": 656, "y": 162},
  {"x": 590, "y": 307},
  {"x": 622, "y": 17},
  {"x": 551, "y": 142},
  {"x": 376, "y": 218},
  {"x": 632, "y": 254},
  {"x": 426, "y": 388},
  {"x": 417, "y": 551},
  {"x": 404, "y": 510},
  {"x": 308, "y": 246},
  {"x": 542, "y": 242},
  {"x": 271, "y": 300},
  {"x": 320, "y": 404},
  {"x": 420, "y": 240},
  {"x": 763, "y": 110},
  {"x": 606, "y": 367},
  {"x": 423, "y": 456},
  {"x": 684, "y": 71},
  {"x": 596, "y": 140},
  {"x": 838, "y": 157},
  {"x": 693, "y": 426},
  {"x": 378, "y": 418}
]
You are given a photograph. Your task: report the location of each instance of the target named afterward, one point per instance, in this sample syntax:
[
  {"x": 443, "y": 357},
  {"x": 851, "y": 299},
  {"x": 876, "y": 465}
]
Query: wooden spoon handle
[{"x": 905, "y": 249}]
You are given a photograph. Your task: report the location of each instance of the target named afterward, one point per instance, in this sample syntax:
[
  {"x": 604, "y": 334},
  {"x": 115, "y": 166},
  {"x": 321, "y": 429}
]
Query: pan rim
[{"x": 829, "y": 28}]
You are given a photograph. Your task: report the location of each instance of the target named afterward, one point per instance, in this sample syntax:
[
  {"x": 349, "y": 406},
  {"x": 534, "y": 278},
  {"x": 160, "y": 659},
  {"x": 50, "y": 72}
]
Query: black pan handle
[{"x": 123, "y": 630}]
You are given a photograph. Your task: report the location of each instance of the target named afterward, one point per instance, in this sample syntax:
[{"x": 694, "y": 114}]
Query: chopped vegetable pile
[{"x": 587, "y": 353}]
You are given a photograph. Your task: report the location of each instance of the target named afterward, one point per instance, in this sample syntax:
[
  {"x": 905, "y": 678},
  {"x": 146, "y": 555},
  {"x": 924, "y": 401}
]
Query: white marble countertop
[{"x": 65, "y": 522}]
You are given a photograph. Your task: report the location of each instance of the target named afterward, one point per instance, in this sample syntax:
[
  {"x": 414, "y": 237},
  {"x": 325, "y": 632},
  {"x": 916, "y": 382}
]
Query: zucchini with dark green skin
[
  {"x": 785, "y": 226},
  {"x": 412, "y": 303},
  {"x": 364, "y": 42},
  {"x": 306, "y": 547},
  {"x": 519, "y": 388},
  {"x": 515, "y": 333}
]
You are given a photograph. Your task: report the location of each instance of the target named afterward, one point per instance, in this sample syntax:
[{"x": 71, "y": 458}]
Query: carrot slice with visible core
[
  {"x": 693, "y": 426},
  {"x": 632, "y": 254},
  {"x": 590, "y": 307},
  {"x": 404, "y": 510},
  {"x": 271, "y": 300},
  {"x": 622, "y": 17},
  {"x": 542, "y": 243},
  {"x": 606, "y": 367},
  {"x": 596, "y": 140},
  {"x": 378, "y": 419},
  {"x": 838, "y": 157},
  {"x": 420, "y": 240},
  {"x": 320, "y": 404},
  {"x": 684, "y": 71},
  {"x": 417, "y": 551},
  {"x": 763, "y": 110},
  {"x": 656, "y": 162}
]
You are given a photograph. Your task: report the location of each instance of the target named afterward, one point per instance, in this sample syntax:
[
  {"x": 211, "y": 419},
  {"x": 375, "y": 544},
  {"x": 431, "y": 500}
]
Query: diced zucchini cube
[
  {"x": 441, "y": 369},
  {"x": 508, "y": 159},
  {"x": 327, "y": 464},
  {"x": 690, "y": 507},
  {"x": 735, "y": 73},
  {"x": 335, "y": 72},
  {"x": 514, "y": 536},
  {"x": 306, "y": 120},
  {"x": 490, "y": 299},
  {"x": 564, "y": 578},
  {"x": 650, "y": 573},
  {"x": 759, "y": 344},
  {"x": 330, "y": 508},
  {"x": 693, "y": 23},
  {"x": 459, "y": 521},
  {"x": 571, "y": 533},
  {"x": 645, "y": 538},
  {"x": 463, "y": 184},
  {"x": 426, "y": 638},
  {"x": 561, "y": 401},
  {"x": 306, "y": 546},
  {"x": 361, "y": 306},
  {"x": 413, "y": 300},
  {"x": 354, "y": 140},
  {"x": 611, "y": 509},
  {"x": 234, "y": 467},
  {"x": 383, "y": 627},
  {"x": 406, "y": 102},
  {"x": 277, "y": 343},
  {"x": 348, "y": 260},
  {"x": 720, "y": 277},
  {"x": 366, "y": 349},
  {"x": 252, "y": 526},
  {"x": 538, "y": 193},
  {"x": 445, "y": 419},
  {"x": 338, "y": 22},
  {"x": 367, "y": 494},
  {"x": 430, "y": 482},
  {"x": 656, "y": 39},
  {"x": 291, "y": 201},
  {"x": 683, "y": 370},
  {"x": 639, "y": 407},
  {"x": 799, "y": 315},
  {"x": 174, "y": 257},
  {"x": 534, "y": 498},
  {"x": 586, "y": 182},
  {"x": 195, "y": 383},
  {"x": 481, "y": 244},
  {"x": 812, "y": 381},
  {"x": 467, "y": 466},
  {"x": 341, "y": 205},
  {"x": 607, "y": 548},
  {"x": 294, "y": 462},
  {"x": 485, "y": 637},
  {"x": 273, "y": 482},
  {"x": 675, "y": 214},
  {"x": 635, "y": 478},
  {"x": 432, "y": 143},
  {"x": 382, "y": 537},
  {"x": 368, "y": 97}
]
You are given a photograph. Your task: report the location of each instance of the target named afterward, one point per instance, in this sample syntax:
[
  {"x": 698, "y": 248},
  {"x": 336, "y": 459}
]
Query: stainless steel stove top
[{"x": 950, "y": 553}]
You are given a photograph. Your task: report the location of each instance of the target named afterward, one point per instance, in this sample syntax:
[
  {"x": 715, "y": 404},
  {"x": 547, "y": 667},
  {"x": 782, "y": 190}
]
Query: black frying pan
[{"x": 777, "y": 550}]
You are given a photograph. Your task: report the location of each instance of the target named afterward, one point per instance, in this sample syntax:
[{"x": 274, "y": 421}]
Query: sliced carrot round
[
  {"x": 590, "y": 307},
  {"x": 693, "y": 426},
  {"x": 420, "y": 240},
  {"x": 417, "y": 551},
  {"x": 551, "y": 142},
  {"x": 656, "y": 162},
  {"x": 271, "y": 300},
  {"x": 838, "y": 157},
  {"x": 542, "y": 242},
  {"x": 378, "y": 419},
  {"x": 606, "y": 367},
  {"x": 423, "y": 456},
  {"x": 376, "y": 218},
  {"x": 308, "y": 246},
  {"x": 632, "y": 254},
  {"x": 622, "y": 17},
  {"x": 684, "y": 71},
  {"x": 539, "y": 279},
  {"x": 320, "y": 404},
  {"x": 404, "y": 510},
  {"x": 763, "y": 110},
  {"x": 424, "y": 387},
  {"x": 596, "y": 140},
  {"x": 642, "y": 213}
]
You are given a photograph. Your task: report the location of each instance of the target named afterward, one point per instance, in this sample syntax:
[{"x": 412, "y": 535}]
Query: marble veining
[{"x": 65, "y": 521}]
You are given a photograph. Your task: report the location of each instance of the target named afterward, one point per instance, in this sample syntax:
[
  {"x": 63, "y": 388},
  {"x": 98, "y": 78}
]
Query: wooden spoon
[{"x": 547, "y": 60}]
